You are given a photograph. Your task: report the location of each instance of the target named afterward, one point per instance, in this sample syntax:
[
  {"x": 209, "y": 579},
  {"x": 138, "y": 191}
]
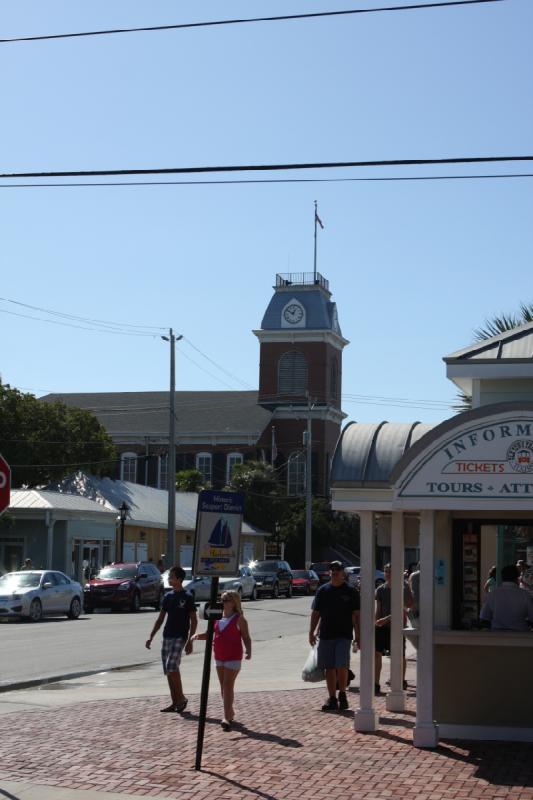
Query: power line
[
  {"x": 397, "y": 162},
  {"x": 216, "y": 364},
  {"x": 80, "y": 184},
  {"x": 71, "y": 325},
  {"x": 249, "y": 20}
]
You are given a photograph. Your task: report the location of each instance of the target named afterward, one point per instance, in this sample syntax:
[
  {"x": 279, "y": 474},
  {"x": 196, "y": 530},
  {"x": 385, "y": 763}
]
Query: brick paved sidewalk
[{"x": 285, "y": 749}]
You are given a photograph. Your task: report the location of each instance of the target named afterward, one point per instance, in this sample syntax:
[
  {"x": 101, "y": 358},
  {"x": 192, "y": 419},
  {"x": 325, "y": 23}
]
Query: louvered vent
[{"x": 292, "y": 373}]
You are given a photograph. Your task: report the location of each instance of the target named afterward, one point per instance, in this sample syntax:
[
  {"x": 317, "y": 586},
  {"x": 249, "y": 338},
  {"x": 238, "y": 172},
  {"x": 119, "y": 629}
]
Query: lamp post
[
  {"x": 171, "y": 459},
  {"x": 277, "y": 527},
  {"x": 123, "y": 513}
]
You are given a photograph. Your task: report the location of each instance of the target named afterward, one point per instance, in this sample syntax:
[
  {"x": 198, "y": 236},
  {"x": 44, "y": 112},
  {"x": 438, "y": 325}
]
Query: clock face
[{"x": 293, "y": 313}]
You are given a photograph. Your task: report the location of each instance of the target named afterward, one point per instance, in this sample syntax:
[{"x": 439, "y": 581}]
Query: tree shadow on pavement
[{"x": 238, "y": 785}]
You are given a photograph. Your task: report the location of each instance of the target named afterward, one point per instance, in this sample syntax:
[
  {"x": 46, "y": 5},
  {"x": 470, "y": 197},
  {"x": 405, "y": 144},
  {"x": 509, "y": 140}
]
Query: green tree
[
  {"x": 44, "y": 442},
  {"x": 263, "y": 504},
  {"x": 328, "y": 529},
  {"x": 493, "y": 327},
  {"x": 190, "y": 480}
]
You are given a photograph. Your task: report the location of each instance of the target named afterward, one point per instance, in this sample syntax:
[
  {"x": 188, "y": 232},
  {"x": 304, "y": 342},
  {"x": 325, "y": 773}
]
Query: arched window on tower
[
  {"x": 296, "y": 474},
  {"x": 334, "y": 379},
  {"x": 292, "y": 373}
]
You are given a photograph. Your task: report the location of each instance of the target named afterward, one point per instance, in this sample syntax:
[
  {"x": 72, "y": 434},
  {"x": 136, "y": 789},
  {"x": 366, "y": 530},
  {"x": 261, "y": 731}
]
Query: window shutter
[{"x": 292, "y": 375}]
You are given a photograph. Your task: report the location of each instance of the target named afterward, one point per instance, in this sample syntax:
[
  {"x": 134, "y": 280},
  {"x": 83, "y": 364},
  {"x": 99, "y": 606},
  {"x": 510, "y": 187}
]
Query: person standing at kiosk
[{"x": 508, "y": 607}]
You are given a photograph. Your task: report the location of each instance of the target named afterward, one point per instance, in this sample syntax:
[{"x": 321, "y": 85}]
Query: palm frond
[
  {"x": 495, "y": 326},
  {"x": 526, "y": 312},
  {"x": 463, "y": 402}
]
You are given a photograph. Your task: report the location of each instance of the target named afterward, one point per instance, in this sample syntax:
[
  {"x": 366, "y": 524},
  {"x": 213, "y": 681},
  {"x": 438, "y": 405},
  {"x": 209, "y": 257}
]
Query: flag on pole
[
  {"x": 274, "y": 448},
  {"x": 317, "y": 219}
]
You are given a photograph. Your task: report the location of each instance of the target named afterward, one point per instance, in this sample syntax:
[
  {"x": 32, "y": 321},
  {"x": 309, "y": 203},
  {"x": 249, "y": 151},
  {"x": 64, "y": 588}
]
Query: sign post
[
  {"x": 5, "y": 485},
  {"x": 216, "y": 553}
]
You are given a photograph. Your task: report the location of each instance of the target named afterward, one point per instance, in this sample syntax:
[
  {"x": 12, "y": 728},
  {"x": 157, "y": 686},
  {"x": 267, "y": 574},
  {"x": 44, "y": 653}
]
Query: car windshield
[
  {"x": 321, "y": 566},
  {"x": 265, "y": 566},
  {"x": 19, "y": 580},
  {"x": 299, "y": 573},
  {"x": 110, "y": 573}
]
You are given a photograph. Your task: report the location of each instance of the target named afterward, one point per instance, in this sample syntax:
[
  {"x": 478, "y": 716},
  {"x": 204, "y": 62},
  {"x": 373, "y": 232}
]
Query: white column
[
  {"x": 395, "y": 700},
  {"x": 426, "y": 732},
  {"x": 366, "y": 717}
]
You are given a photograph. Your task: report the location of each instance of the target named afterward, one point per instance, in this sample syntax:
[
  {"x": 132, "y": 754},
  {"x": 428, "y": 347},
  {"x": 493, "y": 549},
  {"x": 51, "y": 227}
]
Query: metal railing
[{"x": 302, "y": 279}]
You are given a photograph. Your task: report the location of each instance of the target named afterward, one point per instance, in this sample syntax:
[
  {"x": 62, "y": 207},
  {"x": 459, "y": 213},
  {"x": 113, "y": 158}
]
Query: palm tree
[{"x": 493, "y": 327}]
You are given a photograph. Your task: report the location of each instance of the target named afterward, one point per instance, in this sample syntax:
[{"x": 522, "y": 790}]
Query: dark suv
[
  {"x": 124, "y": 586},
  {"x": 272, "y": 577}
]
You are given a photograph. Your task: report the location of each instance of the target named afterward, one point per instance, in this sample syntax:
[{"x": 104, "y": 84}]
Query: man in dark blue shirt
[
  {"x": 180, "y": 611},
  {"x": 335, "y": 617}
]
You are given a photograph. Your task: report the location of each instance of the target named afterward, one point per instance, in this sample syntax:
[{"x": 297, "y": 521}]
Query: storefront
[{"x": 467, "y": 486}]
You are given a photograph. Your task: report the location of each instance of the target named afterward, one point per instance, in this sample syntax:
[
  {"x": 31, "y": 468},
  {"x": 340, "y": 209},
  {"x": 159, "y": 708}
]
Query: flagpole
[{"x": 314, "y": 263}]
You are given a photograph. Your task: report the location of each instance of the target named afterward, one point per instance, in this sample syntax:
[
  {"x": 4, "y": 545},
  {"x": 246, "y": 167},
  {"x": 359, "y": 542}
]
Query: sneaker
[
  {"x": 343, "y": 701},
  {"x": 377, "y": 688},
  {"x": 331, "y": 705}
]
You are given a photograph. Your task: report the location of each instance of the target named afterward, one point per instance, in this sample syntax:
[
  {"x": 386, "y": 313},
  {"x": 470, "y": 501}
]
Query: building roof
[
  {"x": 46, "y": 500},
  {"x": 313, "y": 295},
  {"x": 143, "y": 413},
  {"x": 367, "y": 453},
  {"x": 514, "y": 344},
  {"x": 147, "y": 506}
]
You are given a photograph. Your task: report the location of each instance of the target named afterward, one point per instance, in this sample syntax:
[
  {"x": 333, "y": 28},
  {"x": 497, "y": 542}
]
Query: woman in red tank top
[{"x": 231, "y": 632}]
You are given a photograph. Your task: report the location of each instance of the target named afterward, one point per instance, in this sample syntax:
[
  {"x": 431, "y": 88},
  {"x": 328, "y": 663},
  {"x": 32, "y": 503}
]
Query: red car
[
  {"x": 305, "y": 580},
  {"x": 321, "y": 568},
  {"x": 127, "y": 586}
]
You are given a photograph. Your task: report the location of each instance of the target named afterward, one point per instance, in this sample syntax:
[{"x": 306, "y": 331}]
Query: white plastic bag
[{"x": 311, "y": 673}]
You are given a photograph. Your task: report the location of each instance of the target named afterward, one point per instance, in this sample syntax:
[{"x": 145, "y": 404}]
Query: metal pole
[
  {"x": 121, "y": 548},
  {"x": 308, "y": 492},
  {"x": 314, "y": 263},
  {"x": 171, "y": 467},
  {"x": 205, "y": 676}
]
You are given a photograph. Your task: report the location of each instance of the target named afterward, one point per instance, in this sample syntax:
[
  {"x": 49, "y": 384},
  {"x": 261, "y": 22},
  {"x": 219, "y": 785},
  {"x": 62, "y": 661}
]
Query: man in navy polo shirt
[
  {"x": 180, "y": 611},
  {"x": 335, "y": 618}
]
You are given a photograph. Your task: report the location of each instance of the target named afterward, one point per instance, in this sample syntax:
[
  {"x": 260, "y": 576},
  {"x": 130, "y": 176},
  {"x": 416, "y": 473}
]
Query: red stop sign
[{"x": 5, "y": 484}]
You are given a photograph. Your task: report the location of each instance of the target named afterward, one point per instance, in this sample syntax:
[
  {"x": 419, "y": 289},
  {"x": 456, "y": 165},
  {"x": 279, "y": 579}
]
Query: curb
[{"x": 67, "y": 676}]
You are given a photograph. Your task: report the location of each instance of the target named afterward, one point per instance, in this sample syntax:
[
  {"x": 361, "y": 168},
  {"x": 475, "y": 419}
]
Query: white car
[
  {"x": 243, "y": 582},
  {"x": 37, "y": 593}
]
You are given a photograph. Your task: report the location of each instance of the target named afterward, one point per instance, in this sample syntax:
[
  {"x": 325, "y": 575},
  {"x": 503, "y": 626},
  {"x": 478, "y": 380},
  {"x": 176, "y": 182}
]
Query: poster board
[{"x": 218, "y": 533}]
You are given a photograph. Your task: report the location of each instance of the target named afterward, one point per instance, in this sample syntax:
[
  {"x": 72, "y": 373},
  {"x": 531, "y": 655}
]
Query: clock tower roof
[{"x": 301, "y": 301}]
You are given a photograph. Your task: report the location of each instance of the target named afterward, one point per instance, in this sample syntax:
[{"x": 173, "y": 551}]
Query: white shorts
[{"x": 236, "y": 665}]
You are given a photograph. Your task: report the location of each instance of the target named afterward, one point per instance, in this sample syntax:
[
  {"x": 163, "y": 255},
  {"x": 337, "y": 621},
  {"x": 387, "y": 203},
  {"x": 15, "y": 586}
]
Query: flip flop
[
  {"x": 167, "y": 709},
  {"x": 179, "y": 707}
]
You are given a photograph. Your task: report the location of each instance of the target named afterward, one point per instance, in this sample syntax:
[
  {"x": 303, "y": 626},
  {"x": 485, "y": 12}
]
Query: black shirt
[
  {"x": 178, "y": 606},
  {"x": 336, "y": 604}
]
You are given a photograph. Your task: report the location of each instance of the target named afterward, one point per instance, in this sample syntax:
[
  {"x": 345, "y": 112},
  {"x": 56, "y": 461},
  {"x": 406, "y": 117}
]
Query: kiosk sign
[
  {"x": 488, "y": 460},
  {"x": 218, "y": 533}
]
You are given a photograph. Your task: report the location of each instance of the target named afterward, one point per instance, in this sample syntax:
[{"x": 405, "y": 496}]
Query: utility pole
[
  {"x": 170, "y": 555},
  {"x": 308, "y": 489}
]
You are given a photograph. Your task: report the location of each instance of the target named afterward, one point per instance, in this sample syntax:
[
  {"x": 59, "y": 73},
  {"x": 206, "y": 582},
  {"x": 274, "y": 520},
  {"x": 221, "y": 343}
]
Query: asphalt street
[{"x": 58, "y": 646}]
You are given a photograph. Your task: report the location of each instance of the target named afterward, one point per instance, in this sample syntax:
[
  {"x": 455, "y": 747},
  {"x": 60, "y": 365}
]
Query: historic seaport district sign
[
  {"x": 5, "y": 484},
  {"x": 218, "y": 533}
]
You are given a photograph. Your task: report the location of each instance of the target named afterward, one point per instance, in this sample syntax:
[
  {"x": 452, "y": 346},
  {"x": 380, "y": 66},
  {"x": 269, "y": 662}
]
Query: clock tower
[{"x": 300, "y": 377}]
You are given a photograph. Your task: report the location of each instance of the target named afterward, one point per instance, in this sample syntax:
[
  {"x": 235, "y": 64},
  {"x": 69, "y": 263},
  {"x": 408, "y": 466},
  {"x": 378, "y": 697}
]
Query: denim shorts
[
  {"x": 236, "y": 665},
  {"x": 171, "y": 650},
  {"x": 333, "y": 653}
]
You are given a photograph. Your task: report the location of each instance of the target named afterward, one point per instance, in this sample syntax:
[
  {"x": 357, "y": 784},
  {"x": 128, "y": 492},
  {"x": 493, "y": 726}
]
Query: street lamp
[{"x": 123, "y": 513}]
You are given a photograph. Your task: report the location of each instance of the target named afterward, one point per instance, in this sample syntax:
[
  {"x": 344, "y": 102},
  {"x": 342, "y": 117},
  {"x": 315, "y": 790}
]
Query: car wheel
[
  {"x": 136, "y": 602},
  {"x": 288, "y": 593},
  {"x": 36, "y": 610},
  {"x": 159, "y": 603},
  {"x": 75, "y": 608},
  {"x": 253, "y": 596},
  {"x": 275, "y": 591}
]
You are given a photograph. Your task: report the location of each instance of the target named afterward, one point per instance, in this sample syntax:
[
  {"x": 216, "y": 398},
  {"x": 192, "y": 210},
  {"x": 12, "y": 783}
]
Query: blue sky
[{"x": 414, "y": 266}]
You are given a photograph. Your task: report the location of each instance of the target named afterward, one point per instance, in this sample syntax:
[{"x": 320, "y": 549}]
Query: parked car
[
  {"x": 353, "y": 576},
  {"x": 305, "y": 580},
  {"x": 38, "y": 593},
  {"x": 125, "y": 586},
  {"x": 243, "y": 582},
  {"x": 272, "y": 577},
  {"x": 322, "y": 570}
]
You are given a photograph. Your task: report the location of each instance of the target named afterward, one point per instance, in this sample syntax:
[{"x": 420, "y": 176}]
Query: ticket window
[{"x": 478, "y": 546}]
